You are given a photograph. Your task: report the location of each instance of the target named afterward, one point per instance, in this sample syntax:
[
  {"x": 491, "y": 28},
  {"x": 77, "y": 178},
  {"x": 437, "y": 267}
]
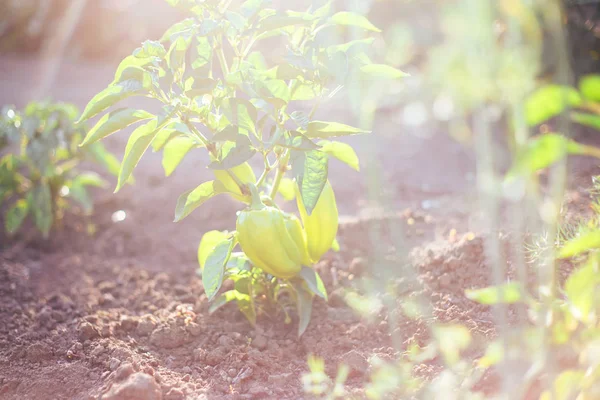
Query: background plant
[{"x": 41, "y": 165}]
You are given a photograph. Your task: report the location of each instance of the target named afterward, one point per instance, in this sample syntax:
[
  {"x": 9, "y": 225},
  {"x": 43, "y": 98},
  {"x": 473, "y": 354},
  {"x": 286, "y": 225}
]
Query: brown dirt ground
[{"x": 122, "y": 314}]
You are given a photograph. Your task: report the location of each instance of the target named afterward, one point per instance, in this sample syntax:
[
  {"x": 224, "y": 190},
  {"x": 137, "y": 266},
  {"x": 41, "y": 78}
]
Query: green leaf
[
  {"x": 78, "y": 191},
  {"x": 297, "y": 141},
  {"x": 105, "y": 158},
  {"x": 245, "y": 304},
  {"x": 344, "y": 48},
  {"x": 313, "y": 281},
  {"x": 322, "y": 129},
  {"x": 589, "y": 86},
  {"x": 335, "y": 246},
  {"x": 203, "y": 52},
  {"x": 185, "y": 26},
  {"x": 275, "y": 22},
  {"x": 150, "y": 48},
  {"x": 90, "y": 179},
  {"x": 201, "y": 87},
  {"x": 223, "y": 299},
  {"x": 176, "y": 55},
  {"x": 170, "y": 132},
  {"x": 581, "y": 288},
  {"x": 382, "y": 71},
  {"x": 235, "y": 155},
  {"x": 192, "y": 199},
  {"x": 494, "y": 354},
  {"x": 41, "y": 204},
  {"x": 287, "y": 188},
  {"x": 549, "y": 101},
  {"x": 591, "y": 120},
  {"x": 114, "y": 121},
  {"x": 507, "y": 293},
  {"x": 452, "y": 339},
  {"x": 174, "y": 152},
  {"x": 353, "y": 19},
  {"x": 313, "y": 178},
  {"x": 304, "y": 301},
  {"x": 566, "y": 386},
  {"x": 342, "y": 151},
  {"x": 127, "y": 63},
  {"x": 585, "y": 242},
  {"x": 208, "y": 242},
  {"x": 240, "y": 112},
  {"x": 136, "y": 146},
  {"x": 108, "y": 97},
  {"x": 16, "y": 215},
  {"x": 543, "y": 151},
  {"x": 237, "y": 20},
  {"x": 214, "y": 268}
]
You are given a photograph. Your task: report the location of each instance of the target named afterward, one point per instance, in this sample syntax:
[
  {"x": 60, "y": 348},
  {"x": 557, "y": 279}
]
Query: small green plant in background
[
  {"x": 318, "y": 384},
  {"x": 222, "y": 96},
  {"x": 40, "y": 165}
]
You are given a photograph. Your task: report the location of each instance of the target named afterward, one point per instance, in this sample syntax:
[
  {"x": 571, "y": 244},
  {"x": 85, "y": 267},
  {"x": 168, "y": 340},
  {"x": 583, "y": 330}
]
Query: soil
[{"x": 122, "y": 315}]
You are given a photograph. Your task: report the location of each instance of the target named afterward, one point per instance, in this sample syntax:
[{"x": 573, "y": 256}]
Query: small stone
[
  {"x": 137, "y": 386},
  {"x": 146, "y": 325},
  {"x": 97, "y": 351},
  {"x": 226, "y": 341},
  {"x": 38, "y": 352},
  {"x": 199, "y": 354},
  {"x": 280, "y": 379},
  {"x": 129, "y": 324},
  {"x": 87, "y": 332},
  {"x": 356, "y": 362},
  {"x": 232, "y": 372},
  {"x": 113, "y": 364},
  {"x": 260, "y": 342},
  {"x": 336, "y": 298},
  {"x": 169, "y": 337},
  {"x": 194, "y": 329},
  {"x": 357, "y": 266},
  {"x": 175, "y": 394},
  {"x": 445, "y": 280},
  {"x": 124, "y": 371}
]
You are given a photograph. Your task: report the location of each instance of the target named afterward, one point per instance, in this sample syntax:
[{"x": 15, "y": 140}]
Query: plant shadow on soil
[{"x": 122, "y": 314}]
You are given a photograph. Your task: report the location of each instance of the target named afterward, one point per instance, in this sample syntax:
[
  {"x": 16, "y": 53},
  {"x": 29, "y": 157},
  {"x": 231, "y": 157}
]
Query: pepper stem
[{"x": 255, "y": 203}]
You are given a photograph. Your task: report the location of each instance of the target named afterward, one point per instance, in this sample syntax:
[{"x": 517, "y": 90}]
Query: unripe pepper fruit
[
  {"x": 322, "y": 224},
  {"x": 273, "y": 240}
]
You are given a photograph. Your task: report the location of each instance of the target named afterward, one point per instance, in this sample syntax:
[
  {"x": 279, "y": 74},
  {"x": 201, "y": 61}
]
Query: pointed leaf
[
  {"x": 507, "y": 293},
  {"x": 240, "y": 112},
  {"x": 581, "y": 288},
  {"x": 313, "y": 178},
  {"x": 585, "y": 242},
  {"x": 323, "y": 129},
  {"x": 304, "y": 301},
  {"x": 589, "y": 86},
  {"x": 342, "y": 151},
  {"x": 174, "y": 152},
  {"x": 344, "y": 48},
  {"x": 114, "y": 121},
  {"x": 105, "y": 158},
  {"x": 192, "y": 199},
  {"x": 382, "y": 71},
  {"x": 108, "y": 97},
  {"x": 41, "y": 204},
  {"x": 313, "y": 281},
  {"x": 16, "y": 215},
  {"x": 137, "y": 144},
  {"x": 214, "y": 268},
  {"x": 208, "y": 242},
  {"x": 353, "y": 19},
  {"x": 591, "y": 120},
  {"x": 549, "y": 101}
]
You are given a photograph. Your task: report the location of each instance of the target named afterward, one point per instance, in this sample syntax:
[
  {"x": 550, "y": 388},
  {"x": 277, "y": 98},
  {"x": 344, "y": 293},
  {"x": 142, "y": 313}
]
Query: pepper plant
[
  {"x": 40, "y": 160},
  {"x": 220, "y": 95}
]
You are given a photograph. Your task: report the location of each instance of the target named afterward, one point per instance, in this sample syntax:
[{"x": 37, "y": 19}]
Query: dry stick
[{"x": 54, "y": 48}]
